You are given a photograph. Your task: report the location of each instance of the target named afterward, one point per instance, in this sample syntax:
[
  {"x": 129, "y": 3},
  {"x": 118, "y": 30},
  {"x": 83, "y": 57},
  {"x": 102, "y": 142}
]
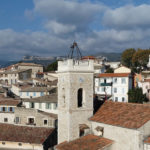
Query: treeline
[
  {"x": 135, "y": 59},
  {"x": 51, "y": 67}
]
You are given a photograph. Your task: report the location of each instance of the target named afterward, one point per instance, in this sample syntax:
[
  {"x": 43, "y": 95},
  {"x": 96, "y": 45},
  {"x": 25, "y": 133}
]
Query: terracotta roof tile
[
  {"x": 28, "y": 64},
  {"x": 126, "y": 115},
  {"x": 94, "y": 143},
  {"x": 88, "y": 57},
  {"x": 25, "y": 134},
  {"x": 52, "y": 98},
  {"x": 146, "y": 80},
  {"x": 37, "y": 89},
  {"x": 10, "y": 102},
  {"x": 113, "y": 75}
]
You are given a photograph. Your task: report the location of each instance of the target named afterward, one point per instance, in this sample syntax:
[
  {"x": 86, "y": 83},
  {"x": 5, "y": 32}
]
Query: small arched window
[{"x": 80, "y": 97}]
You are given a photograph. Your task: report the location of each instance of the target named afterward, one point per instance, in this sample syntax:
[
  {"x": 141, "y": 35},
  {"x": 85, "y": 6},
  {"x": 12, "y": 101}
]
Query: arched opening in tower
[{"x": 80, "y": 97}]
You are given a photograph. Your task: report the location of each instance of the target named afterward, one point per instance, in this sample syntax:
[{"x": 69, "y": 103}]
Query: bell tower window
[{"x": 80, "y": 97}]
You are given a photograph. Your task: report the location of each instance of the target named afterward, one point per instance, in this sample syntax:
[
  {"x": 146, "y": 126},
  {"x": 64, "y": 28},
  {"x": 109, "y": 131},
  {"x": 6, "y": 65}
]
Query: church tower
[{"x": 75, "y": 97}]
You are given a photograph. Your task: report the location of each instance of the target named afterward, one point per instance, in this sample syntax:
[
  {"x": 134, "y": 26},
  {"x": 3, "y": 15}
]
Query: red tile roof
[
  {"x": 28, "y": 64},
  {"x": 10, "y": 102},
  {"x": 126, "y": 115},
  {"x": 146, "y": 80},
  {"x": 147, "y": 141},
  {"x": 25, "y": 134},
  {"x": 40, "y": 73},
  {"x": 88, "y": 142},
  {"x": 88, "y": 57},
  {"x": 113, "y": 75}
]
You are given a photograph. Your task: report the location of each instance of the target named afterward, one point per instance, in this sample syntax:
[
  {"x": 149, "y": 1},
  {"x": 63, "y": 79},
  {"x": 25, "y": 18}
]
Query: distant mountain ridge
[{"x": 112, "y": 56}]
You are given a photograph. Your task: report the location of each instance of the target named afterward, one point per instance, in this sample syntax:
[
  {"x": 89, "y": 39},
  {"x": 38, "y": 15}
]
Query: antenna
[{"x": 74, "y": 51}]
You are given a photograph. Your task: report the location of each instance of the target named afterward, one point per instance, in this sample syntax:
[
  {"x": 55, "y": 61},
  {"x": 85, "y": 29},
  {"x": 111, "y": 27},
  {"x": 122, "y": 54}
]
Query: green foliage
[
  {"x": 52, "y": 67},
  {"x": 136, "y": 60},
  {"x": 136, "y": 96},
  {"x": 126, "y": 57},
  {"x": 110, "y": 70},
  {"x": 140, "y": 59}
]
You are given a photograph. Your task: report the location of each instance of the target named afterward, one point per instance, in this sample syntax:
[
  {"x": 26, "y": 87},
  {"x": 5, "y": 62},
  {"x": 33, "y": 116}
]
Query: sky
[{"x": 49, "y": 27}]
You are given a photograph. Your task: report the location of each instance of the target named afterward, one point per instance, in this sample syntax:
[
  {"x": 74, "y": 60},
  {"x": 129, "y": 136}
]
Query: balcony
[{"x": 106, "y": 84}]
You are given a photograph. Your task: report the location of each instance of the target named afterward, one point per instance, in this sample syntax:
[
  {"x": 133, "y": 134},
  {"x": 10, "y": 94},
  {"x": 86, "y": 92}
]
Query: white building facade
[{"x": 114, "y": 85}]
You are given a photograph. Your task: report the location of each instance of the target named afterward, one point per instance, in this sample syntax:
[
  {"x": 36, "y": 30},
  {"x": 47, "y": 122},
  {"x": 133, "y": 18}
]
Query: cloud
[
  {"x": 128, "y": 17},
  {"x": 96, "y": 28},
  {"x": 68, "y": 12},
  {"x": 59, "y": 28}
]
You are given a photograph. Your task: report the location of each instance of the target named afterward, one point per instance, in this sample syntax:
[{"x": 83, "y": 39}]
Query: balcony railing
[{"x": 106, "y": 84}]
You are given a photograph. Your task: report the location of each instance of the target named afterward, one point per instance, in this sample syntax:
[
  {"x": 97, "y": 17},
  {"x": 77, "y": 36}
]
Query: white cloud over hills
[{"x": 95, "y": 26}]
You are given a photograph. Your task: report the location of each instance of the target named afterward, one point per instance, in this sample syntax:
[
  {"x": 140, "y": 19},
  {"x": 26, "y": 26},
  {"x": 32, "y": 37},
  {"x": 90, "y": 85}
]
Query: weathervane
[{"x": 74, "y": 52}]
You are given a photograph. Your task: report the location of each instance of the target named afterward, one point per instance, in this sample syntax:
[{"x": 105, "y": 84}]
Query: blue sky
[{"x": 48, "y": 27}]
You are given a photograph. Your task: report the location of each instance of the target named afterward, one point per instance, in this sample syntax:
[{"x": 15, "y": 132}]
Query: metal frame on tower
[{"x": 75, "y": 52}]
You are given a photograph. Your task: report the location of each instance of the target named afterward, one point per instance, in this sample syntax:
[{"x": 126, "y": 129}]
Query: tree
[
  {"x": 126, "y": 57},
  {"x": 52, "y": 67},
  {"x": 136, "y": 96},
  {"x": 140, "y": 59},
  {"x": 110, "y": 70}
]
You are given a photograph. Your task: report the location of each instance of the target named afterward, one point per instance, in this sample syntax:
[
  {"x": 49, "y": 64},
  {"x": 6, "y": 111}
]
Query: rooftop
[
  {"x": 37, "y": 89},
  {"x": 28, "y": 64},
  {"x": 9, "y": 102},
  {"x": 127, "y": 115},
  {"x": 114, "y": 75},
  {"x": 14, "y": 71},
  {"x": 88, "y": 142},
  {"x": 47, "y": 98},
  {"x": 55, "y": 116},
  {"x": 25, "y": 134},
  {"x": 147, "y": 141}
]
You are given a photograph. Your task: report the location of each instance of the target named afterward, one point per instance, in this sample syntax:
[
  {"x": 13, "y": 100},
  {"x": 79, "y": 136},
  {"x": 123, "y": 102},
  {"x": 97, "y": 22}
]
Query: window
[
  {"x": 34, "y": 93},
  {"x": 80, "y": 97},
  {"x": 17, "y": 120},
  {"x": 5, "y": 119},
  {"x": 11, "y": 81},
  {"x": 20, "y": 144},
  {"x": 20, "y": 93},
  {"x": 27, "y": 93},
  {"x": 122, "y": 90},
  {"x": 115, "y": 90},
  {"x": 40, "y": 105},
  {"x": 55, "y": 106},
  {"x": 45, "y": 122},
  {"x": 103, "y": 89},
  {"x": 123, "y": 80},
  {"x": 11, "y": 109},
  {"x": 123, "y": 99},
  {"x": 115, "y": 80},
  {"x": 30, "y": 120},
  {"x": 116, "y": 99},
  {"x": 104, "y": 80},
  {"x": 4, "y": 109},
  {"x": 42, "y": 93},
  {"x": 48, "y": 105},
  {"x": 100, "y": 131},
  {"x": 31, "y": 105}
]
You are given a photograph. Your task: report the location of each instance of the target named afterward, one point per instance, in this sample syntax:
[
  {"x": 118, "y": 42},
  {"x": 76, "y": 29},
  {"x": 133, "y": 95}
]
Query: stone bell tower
[{"x": 75, "y": 97}]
